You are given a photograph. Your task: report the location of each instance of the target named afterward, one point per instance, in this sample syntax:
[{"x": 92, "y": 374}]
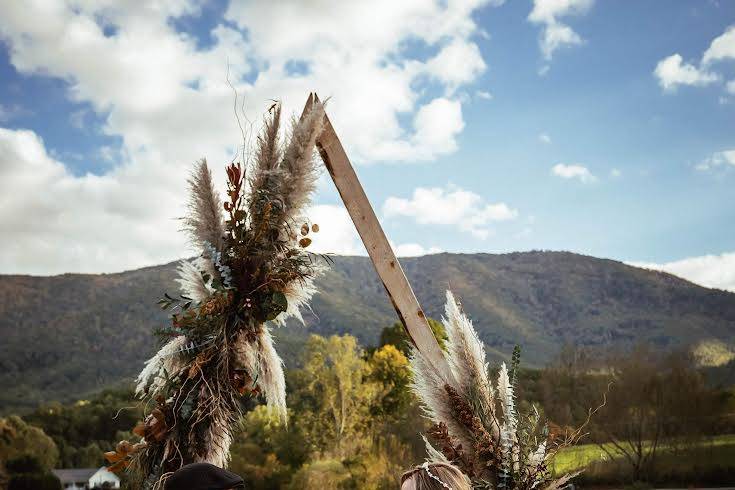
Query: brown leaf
[
  {"x": 124, "y": 447},
  {"x": 114, "y": 456},
  {"x": 119, "y": 466},
  {"x": 139, "y": 429}
]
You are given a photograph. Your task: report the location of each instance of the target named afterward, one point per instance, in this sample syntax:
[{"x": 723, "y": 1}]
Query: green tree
[
  {"x": 17, "y": 438},
  {"x": 320, "y": 475},
  {"x": 395, "y": 335},
  {"x": 87, "y": 426},
  {"x": 334, "y": 395},
  {"x": 26, "y": 472},
  {"x": 267, "y": 453},
  {"x": 389, "y": 370}
]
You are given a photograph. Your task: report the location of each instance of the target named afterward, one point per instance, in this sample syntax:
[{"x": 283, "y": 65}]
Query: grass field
[{"x": 716, "y": 451}]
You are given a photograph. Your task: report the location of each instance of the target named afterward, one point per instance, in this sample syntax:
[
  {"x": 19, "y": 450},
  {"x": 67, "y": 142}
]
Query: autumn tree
[
  {"x": 334, "y": 394},
  {"x": 654, "y": 400}
]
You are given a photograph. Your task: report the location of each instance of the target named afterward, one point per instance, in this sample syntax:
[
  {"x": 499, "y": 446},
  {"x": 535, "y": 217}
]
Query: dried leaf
[
  {"x": 119, "y": 466},
  {"x": 114, "y": 456},
  {"x": 139, "y": 429}
]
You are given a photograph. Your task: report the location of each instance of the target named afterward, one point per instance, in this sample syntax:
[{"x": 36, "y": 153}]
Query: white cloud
[
  {"x": 414, "y": 250},
  {"x": 337, "y": 233},
  {"x": 169, "y": 103},
  {"x": 556, "y": 34},
  {"x": 457, "y": 63},
  {"x": 437, "y": 125},
  {"x": 615, "y": 172},
  {"x": 721, "y": 48},
  {"x": 352, "y": 57},
  {"x": 672, "y": 72},
  {"x": 450, "y": 206},
  {"x": 712, "y": 271},
  {"x": 544, "y": 138},
  {"x": 484, "y": 94},
  {"x": 717, "y": 159},
  {"x": 573, "y": 171},
  {"x": 53, "y": 222}
]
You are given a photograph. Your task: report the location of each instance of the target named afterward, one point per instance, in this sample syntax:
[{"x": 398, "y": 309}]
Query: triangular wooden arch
[{"x": 380, "y": 252}]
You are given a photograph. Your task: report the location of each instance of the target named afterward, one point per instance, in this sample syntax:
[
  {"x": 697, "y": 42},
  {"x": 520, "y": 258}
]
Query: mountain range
[{"x": 69, "y": 335}]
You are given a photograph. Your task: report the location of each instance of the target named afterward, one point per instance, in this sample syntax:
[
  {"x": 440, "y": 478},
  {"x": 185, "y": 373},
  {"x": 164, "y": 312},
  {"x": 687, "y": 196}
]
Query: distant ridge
[{"x": 64, "y": 336}]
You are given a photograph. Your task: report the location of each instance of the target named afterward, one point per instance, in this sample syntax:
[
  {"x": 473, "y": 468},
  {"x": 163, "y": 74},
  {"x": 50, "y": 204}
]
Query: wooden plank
[{"x": 381, "y": 253}]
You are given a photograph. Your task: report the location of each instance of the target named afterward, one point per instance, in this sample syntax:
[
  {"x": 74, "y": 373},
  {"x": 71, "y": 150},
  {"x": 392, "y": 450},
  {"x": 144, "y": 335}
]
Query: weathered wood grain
[{"x": 380, "y": 252}]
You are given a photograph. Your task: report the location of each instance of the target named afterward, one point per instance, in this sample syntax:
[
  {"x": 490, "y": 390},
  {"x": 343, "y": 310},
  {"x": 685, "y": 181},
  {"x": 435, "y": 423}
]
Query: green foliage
[
  {"x": 514, "y": 363},
  {"x": 266, "y": 453},
  {"x": 390, "y": 371},
  {"x": 28, "y": 473},
  {"x": 19, "y": 439},
  {"x": 84, "y": 430},
  {"x": 319, "y": 475},
  {"x": 335, "y": 394},
  {"x": 25, "y": 464},
  {"x": 101, "y": 324},
  {"x": 396, "y": 336},
  {"x": 354, "y": 425},
  {"x": 27, "y": 481}
]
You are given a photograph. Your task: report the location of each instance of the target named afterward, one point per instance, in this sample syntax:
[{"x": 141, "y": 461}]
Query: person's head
[
  {"x": 435, "y": 476},
  {"x": 203, "y": 476}
]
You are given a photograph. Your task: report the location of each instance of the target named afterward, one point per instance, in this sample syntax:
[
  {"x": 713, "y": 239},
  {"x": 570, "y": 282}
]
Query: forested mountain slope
[{"x": 67, "y": 335}]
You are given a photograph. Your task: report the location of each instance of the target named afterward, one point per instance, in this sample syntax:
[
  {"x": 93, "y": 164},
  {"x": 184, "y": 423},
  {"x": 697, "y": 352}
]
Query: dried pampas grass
[
  {"x": 253, "y": 271},
  {"x": 429, "y": 385},
  {"x": 260, "y": 359},
  {"x": 476, "y": 425},
  {"x": 299, "y": 165},
  {"x": 204, "y": 221},
  {"x": 298, "y": 294},
  {"x": 192, "y": 278},
  {"x": 466, "y": 358},
  {"x": 165, "y": 363}
]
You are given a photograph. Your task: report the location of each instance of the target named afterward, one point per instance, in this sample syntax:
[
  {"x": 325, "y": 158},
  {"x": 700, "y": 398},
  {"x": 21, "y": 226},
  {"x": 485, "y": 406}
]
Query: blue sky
[{"x": 600, "y": 127}]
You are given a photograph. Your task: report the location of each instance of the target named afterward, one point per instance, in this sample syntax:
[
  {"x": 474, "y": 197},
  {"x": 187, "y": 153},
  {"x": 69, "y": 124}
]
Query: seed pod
[
  {"x": 315, "y": 228},
  {"x": 305, "y": 229},
  {"x": 305, "y": 242}
]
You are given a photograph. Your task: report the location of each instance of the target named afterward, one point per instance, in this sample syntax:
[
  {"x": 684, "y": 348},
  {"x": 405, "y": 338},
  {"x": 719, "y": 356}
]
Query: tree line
[{"x": 353, "y": 422}]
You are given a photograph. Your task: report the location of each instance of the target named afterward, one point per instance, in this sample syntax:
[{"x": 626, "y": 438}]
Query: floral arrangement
[
  {"x": 476, "y": 425},
  {"x": 253, "y": 272}
]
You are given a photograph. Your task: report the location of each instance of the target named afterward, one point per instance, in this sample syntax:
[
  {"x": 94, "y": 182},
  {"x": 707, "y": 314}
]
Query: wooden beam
[{"x": 372, "y": 235}]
